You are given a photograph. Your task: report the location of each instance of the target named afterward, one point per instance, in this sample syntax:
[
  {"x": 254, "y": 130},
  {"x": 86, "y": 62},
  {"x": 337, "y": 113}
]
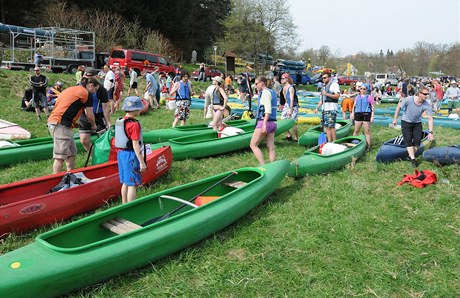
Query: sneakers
[
  {"x": 414, "y": 163},
  {"x": 39, "y": 118}
]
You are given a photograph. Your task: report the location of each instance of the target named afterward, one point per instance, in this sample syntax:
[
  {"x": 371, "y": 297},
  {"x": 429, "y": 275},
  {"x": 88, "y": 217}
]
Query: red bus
[{"x": 140, "y": 61}]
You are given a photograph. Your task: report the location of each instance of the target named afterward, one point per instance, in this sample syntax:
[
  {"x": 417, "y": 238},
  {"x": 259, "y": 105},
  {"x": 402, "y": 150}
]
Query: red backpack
[{"x": 419, "y": 179}]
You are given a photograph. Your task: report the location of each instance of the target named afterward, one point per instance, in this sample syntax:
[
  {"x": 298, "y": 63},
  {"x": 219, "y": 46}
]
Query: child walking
[{"x": 128, "y": 139}]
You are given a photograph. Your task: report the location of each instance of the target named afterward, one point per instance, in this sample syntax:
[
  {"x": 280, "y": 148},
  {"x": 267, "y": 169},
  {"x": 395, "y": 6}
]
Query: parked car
[
  {"x": 344, "y": 80},
  {"x": 140, "y": 61},
  {"x": 385, "y": 78},
  {"x": 209, "y": 73}
]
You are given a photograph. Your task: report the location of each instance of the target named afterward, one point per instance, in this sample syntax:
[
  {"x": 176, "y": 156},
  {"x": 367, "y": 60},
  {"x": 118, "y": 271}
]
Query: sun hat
[
  {"x": 132, "y": 103},
  {"x": 218, "y": 79},
  {"x": 89, "y": 71},
  {"x": 285, "y": 76}
]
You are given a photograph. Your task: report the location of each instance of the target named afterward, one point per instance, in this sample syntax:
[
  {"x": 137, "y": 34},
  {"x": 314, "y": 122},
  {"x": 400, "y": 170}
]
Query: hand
[
  {"x": 316, "y": 111},
  {"x": 394, "y": 122},
  {"x": 430, "y": 136},
  {"x": 143, "y": 166}
]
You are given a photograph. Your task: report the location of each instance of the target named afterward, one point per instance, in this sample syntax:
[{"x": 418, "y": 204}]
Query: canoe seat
[
  {"x": 120, "y": 225},
  {"x": 235, "y": 184}
]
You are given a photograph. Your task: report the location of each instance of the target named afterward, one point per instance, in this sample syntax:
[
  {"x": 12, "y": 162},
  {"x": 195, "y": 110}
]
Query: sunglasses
[
  {"x": 324, "y": 78},
  {"x": 362, "y": 89},
  {"x": 426, "y": 94}
]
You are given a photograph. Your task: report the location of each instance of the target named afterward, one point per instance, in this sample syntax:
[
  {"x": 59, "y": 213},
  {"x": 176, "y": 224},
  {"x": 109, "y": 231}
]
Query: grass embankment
[{"x": 350, "y": 233}]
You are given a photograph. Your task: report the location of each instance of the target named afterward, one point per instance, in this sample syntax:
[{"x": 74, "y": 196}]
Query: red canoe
[{"x": 25, "y": 204}]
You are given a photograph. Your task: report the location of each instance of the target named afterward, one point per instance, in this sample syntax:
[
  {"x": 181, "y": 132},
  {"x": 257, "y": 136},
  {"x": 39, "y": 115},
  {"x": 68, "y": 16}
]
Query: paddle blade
[{"x": 322, "y": 138}]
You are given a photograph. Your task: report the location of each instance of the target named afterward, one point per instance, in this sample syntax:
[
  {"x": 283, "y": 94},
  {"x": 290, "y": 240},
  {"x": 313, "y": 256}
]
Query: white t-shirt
[
  {"x": 208, "y": 95},
  {"x": 332, "y": 106},
  {"x": 107, "y": 83},
  {"x": 133, "y": 76}
]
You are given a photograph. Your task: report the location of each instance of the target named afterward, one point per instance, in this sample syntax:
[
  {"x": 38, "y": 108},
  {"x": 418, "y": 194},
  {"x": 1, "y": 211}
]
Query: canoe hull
[
  {"x": 209, "y": 144},
  {"x": 25, "y": 204},
  {"x": 312, "y": 163},
  {"x": 54, "y": 264},
  {"x": 394, "y": 149},
  {"x": 310, "y": 137},
  {"x": 164, "y": 135},
  {"x": 443, "y": 155}
]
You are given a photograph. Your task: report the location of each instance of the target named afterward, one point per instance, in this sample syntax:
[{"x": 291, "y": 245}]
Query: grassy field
[{"x": 351, "y": 233}]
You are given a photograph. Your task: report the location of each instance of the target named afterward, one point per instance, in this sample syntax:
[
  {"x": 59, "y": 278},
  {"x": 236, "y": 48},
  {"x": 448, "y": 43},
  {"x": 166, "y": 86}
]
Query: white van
[{"x": 385, "y": 78}]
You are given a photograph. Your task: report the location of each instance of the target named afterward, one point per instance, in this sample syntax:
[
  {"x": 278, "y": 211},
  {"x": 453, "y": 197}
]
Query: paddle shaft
[{"x": 156, "y": 219}]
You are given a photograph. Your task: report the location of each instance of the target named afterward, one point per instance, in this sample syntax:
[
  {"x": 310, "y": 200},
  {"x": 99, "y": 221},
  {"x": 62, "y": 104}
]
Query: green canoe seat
[{"x": 120, "y": 225}]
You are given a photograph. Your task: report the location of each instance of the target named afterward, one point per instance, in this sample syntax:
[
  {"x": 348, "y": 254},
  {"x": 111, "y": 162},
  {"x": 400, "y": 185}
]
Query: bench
[
  {"x": 235, "y": 184},
  {"x": 120, "y": 225}
]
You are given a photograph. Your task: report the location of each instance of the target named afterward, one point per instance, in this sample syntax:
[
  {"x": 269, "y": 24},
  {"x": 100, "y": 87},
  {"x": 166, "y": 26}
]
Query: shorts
[
  {"x": 133, "y": 85},
  {"x": 330, "y": 118},
  {"x": 85, "y": 127},
  {"x": 294, "y": 115},
  {"x": 347, "y": 105},
  {"x": 366, "y": 117},
  {"x": 453, "y": 104},
  {"x": 182, "y": 109},
  {"x": 39, "y": 100},
  {"x": 63, "y": 140},
  {"x": 110, "y": 93},
  {"x": 129, "y": 168},
  {"x": 412, "y": 133},
  {"x": 271, "y": 126}
]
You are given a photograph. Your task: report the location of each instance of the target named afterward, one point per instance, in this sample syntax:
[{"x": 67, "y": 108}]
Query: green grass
[{"x": 349, "y": 233}]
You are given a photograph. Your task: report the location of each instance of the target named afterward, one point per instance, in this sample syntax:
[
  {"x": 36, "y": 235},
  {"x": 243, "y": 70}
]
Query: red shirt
[{"x": 133, "y": 130}]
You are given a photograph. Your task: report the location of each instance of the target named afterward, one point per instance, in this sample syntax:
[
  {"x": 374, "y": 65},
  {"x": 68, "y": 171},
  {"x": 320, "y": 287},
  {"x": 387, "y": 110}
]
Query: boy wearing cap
[{"x": 128, "y": 139}]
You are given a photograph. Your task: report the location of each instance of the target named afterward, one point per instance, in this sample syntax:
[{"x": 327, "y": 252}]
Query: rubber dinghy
[
  {"x": 394, "y": 149},
  {"x": 128, "y": 236},
  {"x": 313, "y": 162},
  {"x": 443, "y": 155},
  {"x": 27, "y": 204},
  {"x": 310, "y": 137}
]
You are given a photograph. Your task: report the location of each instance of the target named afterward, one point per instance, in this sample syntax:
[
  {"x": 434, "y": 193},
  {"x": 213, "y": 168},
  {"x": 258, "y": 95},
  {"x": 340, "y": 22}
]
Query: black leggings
[{"x": 412, "y": 133}]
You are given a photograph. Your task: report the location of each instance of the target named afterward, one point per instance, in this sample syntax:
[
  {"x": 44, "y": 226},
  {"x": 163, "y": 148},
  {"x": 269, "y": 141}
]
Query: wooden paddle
[{"x": 165, "y": 216}]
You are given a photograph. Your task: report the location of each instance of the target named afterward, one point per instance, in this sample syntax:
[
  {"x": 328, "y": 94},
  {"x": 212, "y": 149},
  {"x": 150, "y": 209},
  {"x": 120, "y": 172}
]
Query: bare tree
[{"x": 155, "y": 42}]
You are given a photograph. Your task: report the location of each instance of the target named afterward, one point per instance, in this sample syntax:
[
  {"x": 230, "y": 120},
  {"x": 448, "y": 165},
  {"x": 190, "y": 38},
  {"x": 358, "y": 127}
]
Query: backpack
[
  {"x": 68, "y": 181},
  {"x": 419, "y": 179}
]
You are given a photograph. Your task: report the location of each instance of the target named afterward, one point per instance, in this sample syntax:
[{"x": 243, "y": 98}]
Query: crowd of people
[{"x": 96, "y": 95}]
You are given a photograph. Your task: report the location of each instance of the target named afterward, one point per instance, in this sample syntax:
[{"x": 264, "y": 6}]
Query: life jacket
[
  {"x": 183, "y": 92},
  {"x": 362, "y": 104},
  {"x": 261, "y": 108},
  {"x": 419, "y": 179},
  {"x": 216, "y": 97},
  {"x": 122, "y": 141},
  {"x": 327, "y": 98},
  {"x": 287, "y": 96}
]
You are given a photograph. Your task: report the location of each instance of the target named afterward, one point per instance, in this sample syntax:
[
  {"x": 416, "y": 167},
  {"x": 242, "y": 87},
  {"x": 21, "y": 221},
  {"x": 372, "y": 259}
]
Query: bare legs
[
  {"x": 128, "y": 193},
  {"x": 257, "y": 137},
  {"x": 58, "y": 163}
]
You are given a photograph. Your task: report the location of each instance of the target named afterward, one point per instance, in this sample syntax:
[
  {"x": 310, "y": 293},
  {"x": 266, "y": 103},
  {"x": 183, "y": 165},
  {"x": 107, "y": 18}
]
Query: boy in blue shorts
[{"x": 128, "y": 140}]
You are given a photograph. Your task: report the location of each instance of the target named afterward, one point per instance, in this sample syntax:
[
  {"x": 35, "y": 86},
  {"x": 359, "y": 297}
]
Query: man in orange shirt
[{"x": 69, "y": 106}]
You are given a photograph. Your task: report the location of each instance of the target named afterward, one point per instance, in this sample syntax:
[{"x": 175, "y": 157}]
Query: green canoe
[
  {"x": 209, "y": 143},
  {"x": 122, "y": 238},
  {"x": 32, "y": 149},
  {"x": 164, "y": 135},
  {"x": 312, "y": 162},
  {"x": 310, "y": 137}
]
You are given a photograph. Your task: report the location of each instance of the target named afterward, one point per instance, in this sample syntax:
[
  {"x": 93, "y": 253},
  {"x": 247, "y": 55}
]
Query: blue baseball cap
[{"x": 132, "y": 103}]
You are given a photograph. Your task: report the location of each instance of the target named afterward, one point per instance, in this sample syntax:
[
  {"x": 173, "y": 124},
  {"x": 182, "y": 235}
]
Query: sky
[{"x": 351, "y": 26}]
